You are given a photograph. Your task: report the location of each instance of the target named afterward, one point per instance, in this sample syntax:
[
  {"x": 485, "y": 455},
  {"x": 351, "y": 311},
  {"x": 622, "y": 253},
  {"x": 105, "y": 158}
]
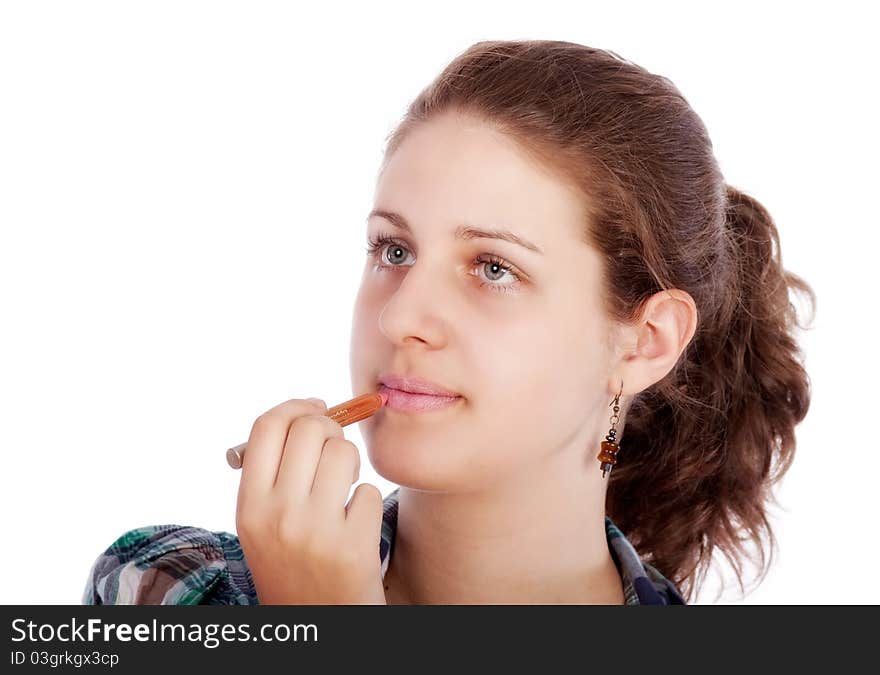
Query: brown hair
[{"x": 702, "y": 447}]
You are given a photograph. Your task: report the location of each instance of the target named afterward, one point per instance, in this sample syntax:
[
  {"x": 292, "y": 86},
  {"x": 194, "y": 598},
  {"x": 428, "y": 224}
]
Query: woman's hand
[{"x": 301, "y": 542}]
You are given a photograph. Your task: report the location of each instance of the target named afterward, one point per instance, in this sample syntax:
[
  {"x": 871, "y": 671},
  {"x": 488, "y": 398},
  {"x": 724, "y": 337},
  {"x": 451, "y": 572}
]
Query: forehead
[{"x": 455, "y": 169}]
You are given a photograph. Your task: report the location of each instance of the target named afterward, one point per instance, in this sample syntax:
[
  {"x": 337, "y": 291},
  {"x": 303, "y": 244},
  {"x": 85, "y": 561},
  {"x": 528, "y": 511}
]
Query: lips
[
  {"x": 405, "y": 401},
  {"x": 415, "y": 385},
  {"x": 408, "y": 393}
]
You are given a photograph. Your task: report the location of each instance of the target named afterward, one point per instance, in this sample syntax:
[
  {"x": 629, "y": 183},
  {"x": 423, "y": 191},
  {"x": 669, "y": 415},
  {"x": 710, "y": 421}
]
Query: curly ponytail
[
  {"x": 701, "y": 448},
  {"x": 706, "y": 444}
]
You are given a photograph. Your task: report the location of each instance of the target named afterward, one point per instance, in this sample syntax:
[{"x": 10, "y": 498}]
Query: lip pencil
[{"x": 348, "y": 412}]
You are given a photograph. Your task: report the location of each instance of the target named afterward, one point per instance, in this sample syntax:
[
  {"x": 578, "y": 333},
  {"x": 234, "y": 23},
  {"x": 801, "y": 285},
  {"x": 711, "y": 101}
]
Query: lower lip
[{"x": 407, "y": 402}]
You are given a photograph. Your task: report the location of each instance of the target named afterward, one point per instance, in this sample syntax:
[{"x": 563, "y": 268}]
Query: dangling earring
[{"x": 609, "y": 448}]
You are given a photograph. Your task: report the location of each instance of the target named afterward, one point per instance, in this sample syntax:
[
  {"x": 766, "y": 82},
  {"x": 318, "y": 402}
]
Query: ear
[{"x": 665, "y": 327}]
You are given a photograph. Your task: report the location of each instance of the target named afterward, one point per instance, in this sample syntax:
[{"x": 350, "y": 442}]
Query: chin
[{"x": 416, "y": 470}]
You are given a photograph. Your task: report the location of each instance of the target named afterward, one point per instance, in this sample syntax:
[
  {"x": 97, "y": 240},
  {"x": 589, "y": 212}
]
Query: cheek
[
  {"x": 541, "y": 357},
  {"x": 544, "y": 371}
]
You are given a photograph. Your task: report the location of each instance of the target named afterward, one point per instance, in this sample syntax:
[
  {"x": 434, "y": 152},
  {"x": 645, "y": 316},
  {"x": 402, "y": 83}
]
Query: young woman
[{"x": 599, "y": 332}]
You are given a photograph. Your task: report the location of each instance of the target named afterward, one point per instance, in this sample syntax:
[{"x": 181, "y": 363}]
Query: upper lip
[{"x": 414, "y": 385}]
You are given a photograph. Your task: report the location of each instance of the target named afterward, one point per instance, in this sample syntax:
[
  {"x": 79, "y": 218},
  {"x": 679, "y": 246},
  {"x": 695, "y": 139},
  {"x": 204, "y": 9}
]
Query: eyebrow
[{"x": 461, "y": 232}]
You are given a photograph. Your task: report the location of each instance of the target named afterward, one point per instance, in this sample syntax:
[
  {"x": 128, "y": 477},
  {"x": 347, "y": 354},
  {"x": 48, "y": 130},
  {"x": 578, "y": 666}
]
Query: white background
[{"x": 183, "y": 188}]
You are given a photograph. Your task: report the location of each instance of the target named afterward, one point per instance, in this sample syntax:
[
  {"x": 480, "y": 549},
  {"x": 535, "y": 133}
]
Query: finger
[
  {"x": 302, "y": 454},
  {"x": 364, "y": 513},
  {"x": 320, "y": 403},
  {"x": 266, "y": 443},
  {"x": 337, "y": 470}
]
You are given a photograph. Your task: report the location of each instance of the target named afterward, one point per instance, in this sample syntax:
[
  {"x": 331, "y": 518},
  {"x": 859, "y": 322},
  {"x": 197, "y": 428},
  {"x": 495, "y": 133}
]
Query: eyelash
[{"x": 381, "y": 240}]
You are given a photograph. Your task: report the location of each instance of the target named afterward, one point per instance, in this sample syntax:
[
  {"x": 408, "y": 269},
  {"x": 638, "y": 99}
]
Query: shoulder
[
  {"x": 643, "y": 583},
  {"x": 666, "y": 590},
  {"x": 170, "y": 565}
]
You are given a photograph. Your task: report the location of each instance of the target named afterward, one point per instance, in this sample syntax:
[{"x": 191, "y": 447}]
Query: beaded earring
[{"x": 608, "y": 452}]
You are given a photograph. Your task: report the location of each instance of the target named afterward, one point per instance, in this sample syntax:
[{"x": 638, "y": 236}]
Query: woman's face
[{"x": 524, "y": 348}]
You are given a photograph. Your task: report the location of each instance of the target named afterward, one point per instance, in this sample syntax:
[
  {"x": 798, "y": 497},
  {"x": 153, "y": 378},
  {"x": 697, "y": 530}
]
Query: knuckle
[
  {"x": 342, "y": 447},
  {"x": 263, "y": 421},
  {"x": 282, "y": 413},
  {"x": 245, "y": 512},
  {"x": 312, "y": 420},
  {"x": 345, "y": 453},
  {"x": 289, "y": 530},
  {"x": 318, "y": 548},
  {"x": 249, "y": 526},
  {"x": 245, "y": 523},
  {"x": 268, "y": 420},
  {"x": 307, "y": 418}
]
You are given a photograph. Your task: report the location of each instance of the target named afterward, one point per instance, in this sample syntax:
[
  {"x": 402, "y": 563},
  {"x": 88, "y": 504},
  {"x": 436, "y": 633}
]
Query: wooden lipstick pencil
[{"x": 347, "y": 412}]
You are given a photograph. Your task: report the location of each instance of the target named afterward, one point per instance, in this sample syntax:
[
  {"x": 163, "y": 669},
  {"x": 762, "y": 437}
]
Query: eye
[
  {"x": 388, "y": 249},
  {"x": 380, "y": 242}
]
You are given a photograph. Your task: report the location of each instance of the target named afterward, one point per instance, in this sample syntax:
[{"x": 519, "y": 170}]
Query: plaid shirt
[{"x": 183, "y": 565}]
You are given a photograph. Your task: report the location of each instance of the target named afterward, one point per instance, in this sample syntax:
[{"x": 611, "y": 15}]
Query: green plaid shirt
[{"x": 184, "y": 565}]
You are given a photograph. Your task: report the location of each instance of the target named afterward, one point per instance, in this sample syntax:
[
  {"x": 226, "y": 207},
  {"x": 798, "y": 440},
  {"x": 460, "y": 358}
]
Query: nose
[{"x": 417, "y": 309}]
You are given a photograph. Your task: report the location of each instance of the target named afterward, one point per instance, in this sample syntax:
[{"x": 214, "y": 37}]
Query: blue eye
[{"x": 381, "y": 241}]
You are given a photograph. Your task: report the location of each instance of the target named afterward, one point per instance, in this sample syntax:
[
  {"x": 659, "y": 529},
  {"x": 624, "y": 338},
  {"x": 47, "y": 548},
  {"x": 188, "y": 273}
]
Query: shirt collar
[{"x": 643, "y": 584}]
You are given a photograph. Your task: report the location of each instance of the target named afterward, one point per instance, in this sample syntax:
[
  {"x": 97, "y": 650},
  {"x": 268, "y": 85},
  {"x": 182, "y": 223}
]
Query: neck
[{"x": 522, "y": 542}]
